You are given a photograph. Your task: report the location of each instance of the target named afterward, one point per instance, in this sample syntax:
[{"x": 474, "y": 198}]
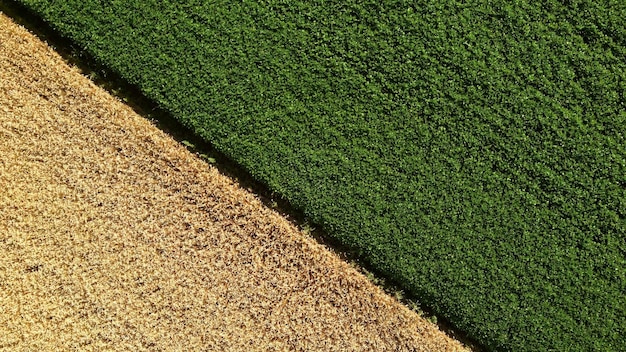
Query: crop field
[{"x": 473, "y": 151}]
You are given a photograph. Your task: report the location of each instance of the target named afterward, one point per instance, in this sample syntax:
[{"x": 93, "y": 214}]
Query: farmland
[
  {"x": 98, "y": 257},
  {"x": 474, "y": 152}
]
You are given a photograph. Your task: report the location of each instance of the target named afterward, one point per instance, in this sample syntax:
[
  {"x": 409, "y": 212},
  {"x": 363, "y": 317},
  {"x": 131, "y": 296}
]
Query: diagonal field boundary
[
  {"x": 114, "y": 237},
  {"x": 472, "y": 151}
]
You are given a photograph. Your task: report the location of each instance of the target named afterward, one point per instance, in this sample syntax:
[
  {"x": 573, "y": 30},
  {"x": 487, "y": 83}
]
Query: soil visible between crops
[{"x": 114, "y": 237}]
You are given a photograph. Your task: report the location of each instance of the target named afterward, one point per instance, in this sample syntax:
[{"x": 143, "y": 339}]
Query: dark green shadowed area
[{"x": 474, "y": 151}]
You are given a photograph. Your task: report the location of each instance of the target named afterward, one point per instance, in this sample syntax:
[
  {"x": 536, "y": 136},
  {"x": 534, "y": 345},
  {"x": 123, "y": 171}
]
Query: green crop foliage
[{"x": 474, "y": 151}]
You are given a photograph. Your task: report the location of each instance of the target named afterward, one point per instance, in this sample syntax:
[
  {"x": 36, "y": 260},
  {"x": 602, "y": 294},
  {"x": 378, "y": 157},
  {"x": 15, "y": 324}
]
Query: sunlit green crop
[{"x": 474, "y": 151}]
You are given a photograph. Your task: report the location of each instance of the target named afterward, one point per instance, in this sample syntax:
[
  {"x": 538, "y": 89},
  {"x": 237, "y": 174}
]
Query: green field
[{"x": 474, "y": 151}]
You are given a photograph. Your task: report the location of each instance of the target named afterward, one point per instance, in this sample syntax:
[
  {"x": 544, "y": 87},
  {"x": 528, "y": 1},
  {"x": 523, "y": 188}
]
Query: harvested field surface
[{"x": 115, "y": 237}]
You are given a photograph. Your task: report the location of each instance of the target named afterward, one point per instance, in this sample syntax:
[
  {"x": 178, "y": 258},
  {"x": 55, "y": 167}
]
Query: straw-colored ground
[{"x": 114, "y": 237}]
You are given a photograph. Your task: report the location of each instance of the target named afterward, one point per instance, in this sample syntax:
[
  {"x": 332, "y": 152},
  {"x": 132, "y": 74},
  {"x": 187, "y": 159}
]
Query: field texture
[
  {"x": 475, "y": 151},
  {"x": 114, "y": 237}
]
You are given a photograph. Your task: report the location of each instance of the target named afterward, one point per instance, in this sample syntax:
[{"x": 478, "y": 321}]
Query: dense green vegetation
[{"x": 475, "y": 151}]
